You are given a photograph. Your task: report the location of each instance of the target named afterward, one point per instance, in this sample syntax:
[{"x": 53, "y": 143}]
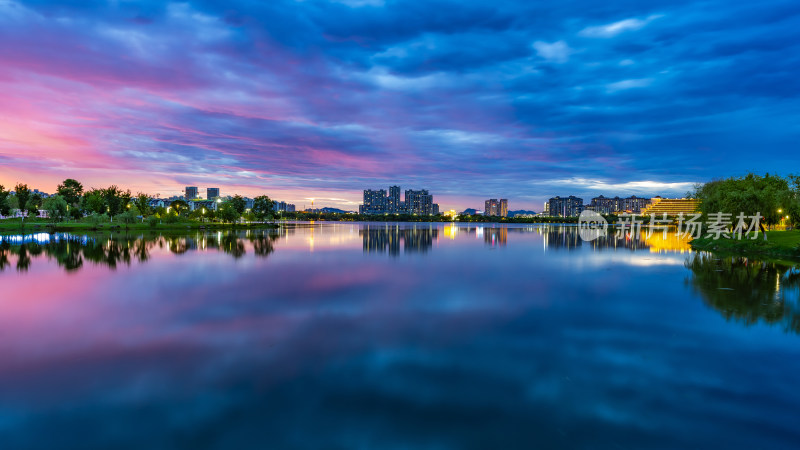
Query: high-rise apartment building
[
  {"x": 490, "y": 207},
  {"x": 191, "y": 192},
  {"x": 633, "y": 204},
  {"x": 565, "y": 206},
  {"x": 374, "y": 202},
  {"x": 608, "y": 205},
  {"x": 495, "y": 207},
  {"x": 393, "y": 200},
  {"x": 278, "y": 206},
  {"x": 419, "y": 202},
  {"x": 212, "y": 193},
  {"x": 605, "y": 205},
  {"x": 416, "y": 202}
]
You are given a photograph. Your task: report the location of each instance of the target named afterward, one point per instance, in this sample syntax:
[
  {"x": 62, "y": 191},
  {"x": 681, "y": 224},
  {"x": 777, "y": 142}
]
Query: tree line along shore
[
  {"x": 775, "y": 198},
  {"x": 73, "y": 208}
]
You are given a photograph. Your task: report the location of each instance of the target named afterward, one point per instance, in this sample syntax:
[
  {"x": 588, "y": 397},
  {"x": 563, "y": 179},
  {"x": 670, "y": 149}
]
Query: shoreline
[{"x": 779, "y": 244}]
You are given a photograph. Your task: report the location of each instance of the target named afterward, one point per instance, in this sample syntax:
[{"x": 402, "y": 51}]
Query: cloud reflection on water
[{"x": 462, "y": 343}]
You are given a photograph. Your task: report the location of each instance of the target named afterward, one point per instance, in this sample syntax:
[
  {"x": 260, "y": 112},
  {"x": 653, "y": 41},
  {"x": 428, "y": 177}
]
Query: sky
[{"x": 470, "y": 99}]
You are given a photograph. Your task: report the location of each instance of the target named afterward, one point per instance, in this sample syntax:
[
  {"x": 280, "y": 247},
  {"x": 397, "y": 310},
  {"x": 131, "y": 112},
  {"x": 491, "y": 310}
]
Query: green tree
[
  {"x": 249, "y": 216},
  {"x": 180, "y": 207},
  {"x": 75, "y": 211},
  {"x": 33, "y": 205},
  {"x": 199, "y": 214},
  {"x": 94, "y": 202},
  {"x": 238, "y": 203},
  {"x": 71, "y": 191},
  {"x": 768, "y": 196},
  {"x": 111, "y": 200},
  {"x": 13, "y": 202},
  {"x": 171, "y": 217},
  {"x": 793, "y": 210},
  {"x": 116, "y": 199},
  {"x": 23, "y": 194},
  {"x": 262, "y": 207},
  {"x": 227, "y": 212},
  {"x": 5, "y": 208},
  {"x": 56, "y": 208},
  {"x": 142, "y": 202}
]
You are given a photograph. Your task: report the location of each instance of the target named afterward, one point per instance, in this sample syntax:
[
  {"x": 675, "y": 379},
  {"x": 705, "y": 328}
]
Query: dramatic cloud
[{"x": 321, "y": 99}]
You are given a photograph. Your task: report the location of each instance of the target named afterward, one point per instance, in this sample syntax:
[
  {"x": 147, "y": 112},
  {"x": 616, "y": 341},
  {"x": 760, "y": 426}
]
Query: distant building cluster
[
  {"x": 193, "y": 193},
  {"x": 495, "y": 207},
  {"x": 378, "y": 201},
  {"x": 608, "y": 205},
  {"x": 193, "y": 204},
  {"x": 282, "y": 207},
  {"x": 573, "y": 206},
  {"x": 35, "y": 192}
]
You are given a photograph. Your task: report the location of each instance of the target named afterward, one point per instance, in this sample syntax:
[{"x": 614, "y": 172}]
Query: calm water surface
[{"x": 393, "y": 336}]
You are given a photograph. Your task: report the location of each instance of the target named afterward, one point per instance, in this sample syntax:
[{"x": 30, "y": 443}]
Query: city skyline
[
  {"x": 381, "y": 201},
  {"x": 318, "y": 99}
]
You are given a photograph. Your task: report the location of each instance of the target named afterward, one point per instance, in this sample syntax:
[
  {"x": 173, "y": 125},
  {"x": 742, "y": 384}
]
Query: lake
[{"x": 394, "y": 336}]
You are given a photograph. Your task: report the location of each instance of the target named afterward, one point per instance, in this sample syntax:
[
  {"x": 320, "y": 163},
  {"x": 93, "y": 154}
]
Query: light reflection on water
[{"x": 393, "y": 336}]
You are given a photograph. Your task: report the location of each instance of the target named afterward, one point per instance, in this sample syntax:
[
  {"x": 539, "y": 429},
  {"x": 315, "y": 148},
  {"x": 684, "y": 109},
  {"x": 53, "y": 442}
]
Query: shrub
[
  {"x": 127, "y": 217},
  {"x": 96, "y": 219}
]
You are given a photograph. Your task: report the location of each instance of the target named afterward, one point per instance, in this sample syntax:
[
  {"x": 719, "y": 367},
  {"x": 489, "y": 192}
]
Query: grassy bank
[
  {"x": 779, "y": 244},
  {"x": 9, "y": 226}
]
